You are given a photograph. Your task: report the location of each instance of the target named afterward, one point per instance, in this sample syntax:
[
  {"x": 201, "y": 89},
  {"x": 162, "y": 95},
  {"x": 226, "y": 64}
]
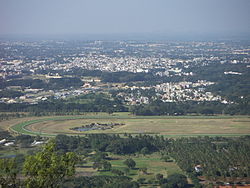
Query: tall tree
[
  {"x": 47, "y": 168},
  {"x": 8, "y": 173},
  {"x": 130, "y": 163}
]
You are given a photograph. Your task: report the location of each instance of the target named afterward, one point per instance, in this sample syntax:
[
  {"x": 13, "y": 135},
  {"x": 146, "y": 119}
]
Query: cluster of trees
[
  {"x": 61, "y": 107},
  {"x": 112, "y": 143},
  {"x": 7, "y": 116},
  {"x": 101, "y": 181},
  {"x": 25, "y": 141},
  {"x": 4, "y": 134},
  {"x": 10, "y": 93},
  {"x": 126, "y": 77},
  {"x": 54, "y": 167},
  {"x": 95, "y": 103},
  {"x": 173, "y": 181},
  {"x": 190, "y": 107},
  {"x": 49, "y": 84},
  {"x": 216, "y": 157},
  {"x": 101, "y": 163}
]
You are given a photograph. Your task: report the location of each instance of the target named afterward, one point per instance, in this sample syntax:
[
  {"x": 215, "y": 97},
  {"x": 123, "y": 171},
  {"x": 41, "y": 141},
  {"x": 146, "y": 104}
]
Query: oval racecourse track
[{"x": 162, "y": 125}]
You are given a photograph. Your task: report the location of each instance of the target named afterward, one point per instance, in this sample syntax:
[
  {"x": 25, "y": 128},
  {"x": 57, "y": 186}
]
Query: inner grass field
[
  {"x": 152, "y": 162},
  {"x": 162, "y": 125}
]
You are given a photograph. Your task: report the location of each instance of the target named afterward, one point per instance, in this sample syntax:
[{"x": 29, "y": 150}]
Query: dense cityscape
[{"x": 168, "y": 65}]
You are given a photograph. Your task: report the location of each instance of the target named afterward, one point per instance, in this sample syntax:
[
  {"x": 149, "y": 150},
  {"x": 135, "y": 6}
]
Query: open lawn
[
  {"x": 152, "y": 162},
  {"x": 162, "y": 125}
]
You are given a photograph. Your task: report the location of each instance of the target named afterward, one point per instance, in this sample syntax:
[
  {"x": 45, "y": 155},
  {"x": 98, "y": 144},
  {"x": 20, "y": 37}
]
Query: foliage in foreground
[
  {"x": 44, "y": 169},
  {"x": 215, "y": 157},
  {"x": 47, "y": 168},
  {"x": 8, "y": 172}
]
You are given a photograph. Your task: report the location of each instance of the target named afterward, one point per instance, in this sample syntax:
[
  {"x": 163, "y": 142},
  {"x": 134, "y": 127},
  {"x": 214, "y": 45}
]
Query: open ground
[{"x": 161, "y": 125}]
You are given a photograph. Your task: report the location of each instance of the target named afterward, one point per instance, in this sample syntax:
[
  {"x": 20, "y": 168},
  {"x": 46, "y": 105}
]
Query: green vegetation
[
  {"x": 12, "y": 115},
  {"x": 52, "y": 83},
  {"x": 48, "y": 169},
  {"x": 8, "y": 172},
  {"x": 156, "y": 158},
  {"x": 157, "y": 108},
  {"x": 44, "y": 169},
  {"x": 155, "y": 143},
  {"x": 130, "y": 163},
  {"x": 176, "y": 180},
  {"x": 72, "y": 106},
  {"x": 119, "y": 159},
  {"x": 216, "y": 157},
  {"x": 101, "y": 182},
  {"x": 233, "y": 88},
  {"x": 10, "y": 93},
  {"x": 152, "y": 162}
]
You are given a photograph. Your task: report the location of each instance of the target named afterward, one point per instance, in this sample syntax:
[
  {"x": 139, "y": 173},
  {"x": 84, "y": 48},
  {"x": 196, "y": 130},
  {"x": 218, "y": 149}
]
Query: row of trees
[
  {"x": 50, "y": 84},
  {"x": 112, "y": 143},
  {"x": 190, "y": 107},
  {"x": 61, "y": 107},
  {"x": 215, "y": 157},
  {"x": 7, "y": 116},
  {"x": 100, "y": 181},
  {"x": 96, "y": 103},
  {"x": 173, "y": 181}
]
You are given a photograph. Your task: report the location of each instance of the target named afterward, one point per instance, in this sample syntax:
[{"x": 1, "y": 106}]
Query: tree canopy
[{"x": 47, "y": 168}]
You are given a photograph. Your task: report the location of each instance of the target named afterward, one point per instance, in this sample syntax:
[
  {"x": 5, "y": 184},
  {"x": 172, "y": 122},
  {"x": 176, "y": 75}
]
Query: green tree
[
  {"x": 126, "y": 171},
  {"x": 130, "y": 163},
  {"x": 110, "y": 111},
  {"x": 97, "y": 165},
  {"x": 8, "y": 173},
  {"x": 176, "y": 181},
  {"x": 47, "y": 168},
  {"x": 122, "y": 184},
  {"x": 159, "y": 176},
  {"x": 118, "y": 172},
  {"x": 106, "y": 166}
]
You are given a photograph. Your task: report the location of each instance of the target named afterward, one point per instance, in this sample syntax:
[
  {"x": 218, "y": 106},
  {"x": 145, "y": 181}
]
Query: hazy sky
[{"x": 124, "y": 16}]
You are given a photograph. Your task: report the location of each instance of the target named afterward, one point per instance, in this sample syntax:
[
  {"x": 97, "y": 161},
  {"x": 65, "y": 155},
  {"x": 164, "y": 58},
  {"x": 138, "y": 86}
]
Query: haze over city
[{"x": 130, "y": 17}]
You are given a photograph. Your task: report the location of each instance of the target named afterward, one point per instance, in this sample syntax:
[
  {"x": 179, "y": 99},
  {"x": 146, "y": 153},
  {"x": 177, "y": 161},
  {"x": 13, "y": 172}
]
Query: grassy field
[
  {"x": 152, "y": 162},
  {"x": 162, "y": 125}
]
